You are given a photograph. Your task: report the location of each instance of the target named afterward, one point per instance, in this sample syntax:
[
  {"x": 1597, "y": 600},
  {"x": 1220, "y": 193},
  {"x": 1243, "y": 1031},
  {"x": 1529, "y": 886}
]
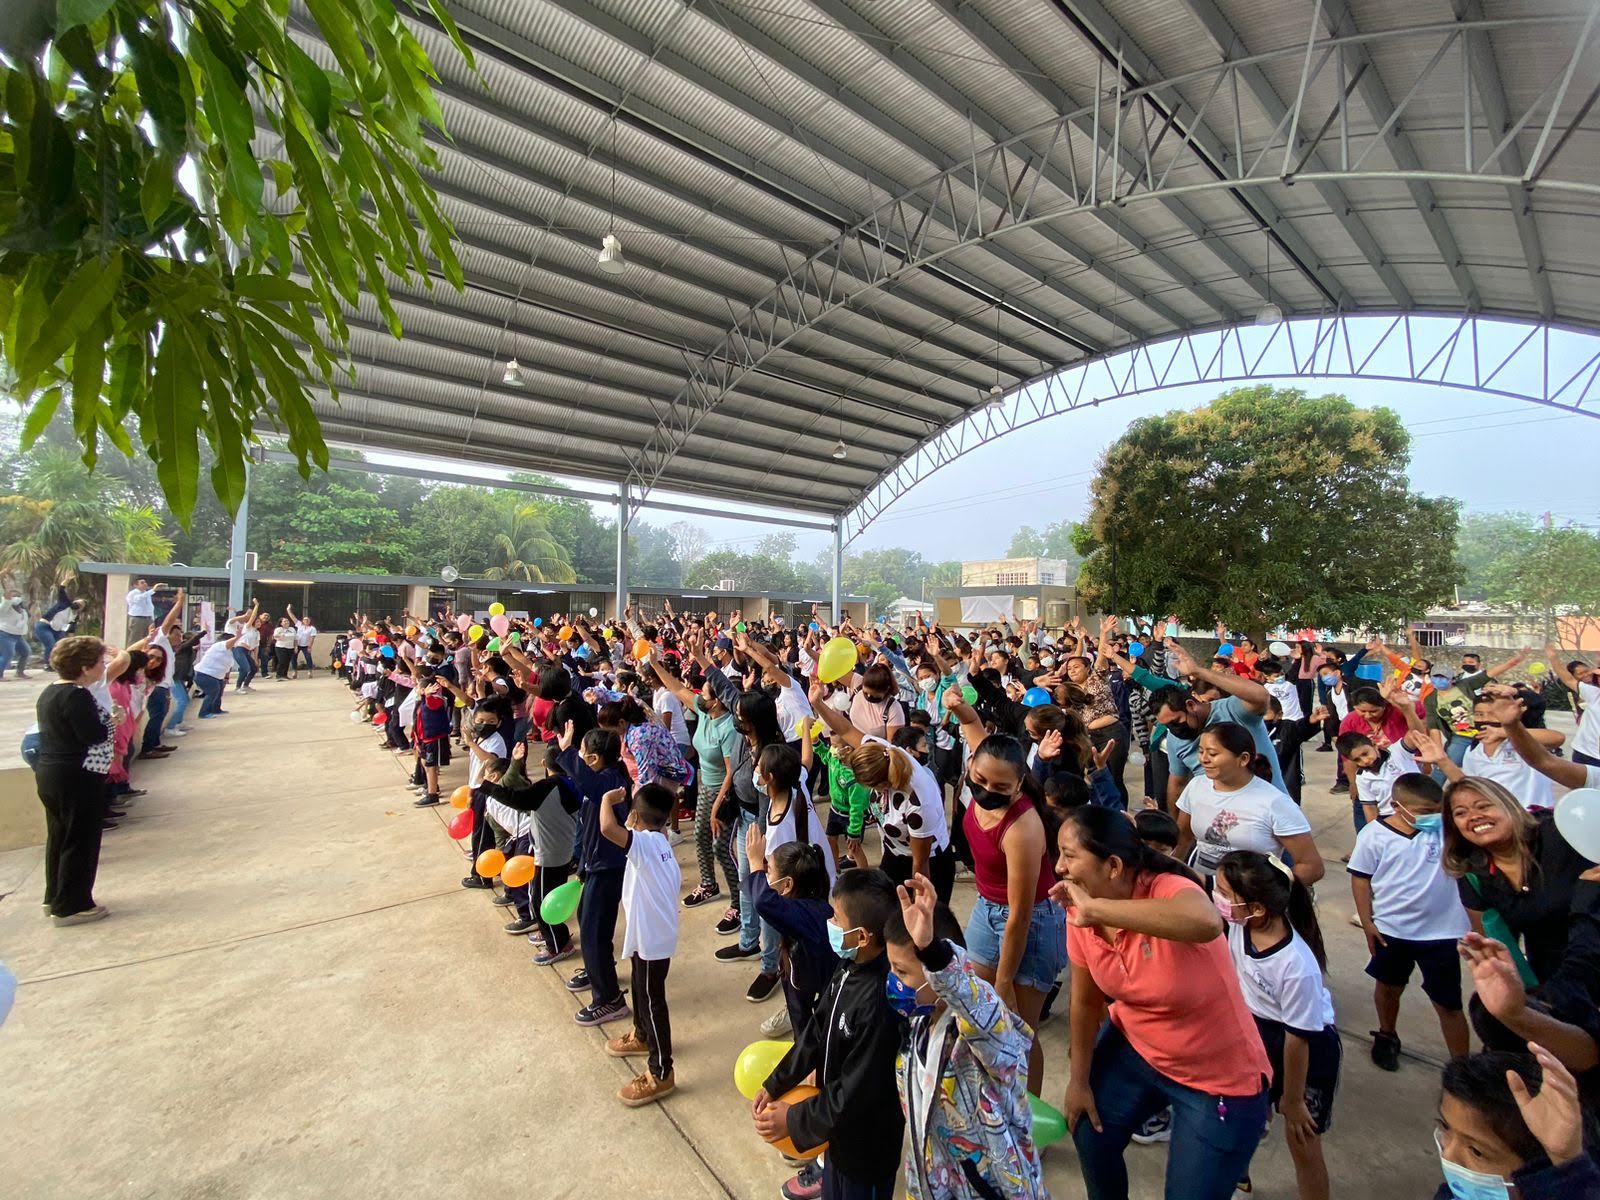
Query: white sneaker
[
  {"x": 96, "y": 913},
  {"x": 778, "y": 1024},
  {"x": 676, "y": 837},
  {"x": 177, "y": 733}
]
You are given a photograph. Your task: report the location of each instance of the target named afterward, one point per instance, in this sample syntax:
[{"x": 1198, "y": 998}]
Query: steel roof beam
[
  {"x": 1492, "y": 99},
  {"x": 521, "y": 54},
  {"x": 962, "y": 105}
]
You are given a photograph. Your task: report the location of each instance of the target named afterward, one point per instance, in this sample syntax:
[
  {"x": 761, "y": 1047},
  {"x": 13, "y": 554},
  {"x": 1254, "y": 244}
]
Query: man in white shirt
[
  {"x": 141, "y": 602},
  {"x": 13, "y": 632}
]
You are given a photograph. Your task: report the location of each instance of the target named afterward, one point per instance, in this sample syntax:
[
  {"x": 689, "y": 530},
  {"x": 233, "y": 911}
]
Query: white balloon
[
  {"x": 449, "y": 574},
  {"x": 1278, "y": 648},
  {"x": 1578, "y": 819},
  {"x": 593, "y": 612},
  {"x": 355, "y": 716}
]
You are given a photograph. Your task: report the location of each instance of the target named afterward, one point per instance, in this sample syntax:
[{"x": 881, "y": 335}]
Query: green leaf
[
  {"x": 173, "y": 415},
  {"x": 272, "y": 289},
  {"x": 82, "y": 299},
  {"x": 156, "y": 193},
  {"x": 39, "y": 414},
  {"x": 70, "y": 13},
  {"x": 311, "y": 86},
  {"x": 88, "y": 376}
]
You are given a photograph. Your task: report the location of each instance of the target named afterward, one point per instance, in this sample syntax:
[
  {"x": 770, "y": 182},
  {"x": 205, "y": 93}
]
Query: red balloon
[
  {"x": 383, "y": 639},
  {"x": 461, "y": 824},
  {"x": 381, "y": 717}
]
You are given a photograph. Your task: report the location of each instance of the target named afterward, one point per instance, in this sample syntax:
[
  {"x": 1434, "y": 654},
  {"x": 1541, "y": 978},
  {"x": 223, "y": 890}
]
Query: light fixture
[
  {"x": 994, "y": 389},
  {"x": 1269, "y": 313},
  {"x": 611, "y": 260},
  {"x": 838, "y": 450},
  {"x": 513, "y": 375}
]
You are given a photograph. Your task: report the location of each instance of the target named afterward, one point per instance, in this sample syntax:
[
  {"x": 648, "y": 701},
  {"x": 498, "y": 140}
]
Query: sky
[{"x": 1492, "y": 453}]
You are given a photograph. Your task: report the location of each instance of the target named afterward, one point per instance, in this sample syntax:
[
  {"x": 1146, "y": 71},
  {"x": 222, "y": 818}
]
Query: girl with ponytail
[{"x": 1276, "y": 946}]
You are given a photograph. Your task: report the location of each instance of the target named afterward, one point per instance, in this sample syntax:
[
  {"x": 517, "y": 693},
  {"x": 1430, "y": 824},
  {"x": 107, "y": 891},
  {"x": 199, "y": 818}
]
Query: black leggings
[
  {"x": 652, "y": 1024},
  {"x": 74, "y": 805},
  {"x": 941, "y": 870}
]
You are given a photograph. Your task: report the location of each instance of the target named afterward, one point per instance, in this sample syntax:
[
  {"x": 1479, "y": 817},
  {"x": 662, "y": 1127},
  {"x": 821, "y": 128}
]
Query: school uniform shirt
[
  {"x": 789, "y": 828},
  {"x": 793, "y": 707},
  {"x": 1288, "y": 698},
  {"x": 1412, "y": 897},
  {"x": 1375, "y": 785},
  {"x": 916, "y": 812},
  {"x": 650, "y": 885},
  {"x": 491, "y": 744},
  {"x": 216, "y": 660},
  {"x": 1256, "y": 817},
  {"x": 1505, "y": 766},
  {"x": 595, "y": 851},
  {"x": 1587, "y": 740},
  {"x": 1282, "y": 983}
]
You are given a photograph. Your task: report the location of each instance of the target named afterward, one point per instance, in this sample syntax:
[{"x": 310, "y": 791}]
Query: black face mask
[
  {"x": 700, "y": 703},
  {"x": 990, "y": 801}
]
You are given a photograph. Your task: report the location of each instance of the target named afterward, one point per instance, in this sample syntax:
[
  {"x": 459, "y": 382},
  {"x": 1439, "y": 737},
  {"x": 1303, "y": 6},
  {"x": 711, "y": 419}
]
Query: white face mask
[
  {"x": 927, "y": 684},
  {"x": 1048, "y": 661}
]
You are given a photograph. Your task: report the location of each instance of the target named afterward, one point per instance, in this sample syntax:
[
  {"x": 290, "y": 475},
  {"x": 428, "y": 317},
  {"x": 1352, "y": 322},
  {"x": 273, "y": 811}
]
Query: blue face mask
[
  {"x": 903, "y": 999},
  {"x": 1467, "y": 1184},
  {"x": 836, "y": 940},
  {"x": 1429, "y": 823}
]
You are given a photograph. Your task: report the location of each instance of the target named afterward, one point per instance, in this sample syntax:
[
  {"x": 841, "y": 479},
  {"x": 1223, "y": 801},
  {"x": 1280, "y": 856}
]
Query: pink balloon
[
  {"x": 463, "y": 622},
  {"x": 355, "y": 645},
  {"x": 500, "y": 624}
]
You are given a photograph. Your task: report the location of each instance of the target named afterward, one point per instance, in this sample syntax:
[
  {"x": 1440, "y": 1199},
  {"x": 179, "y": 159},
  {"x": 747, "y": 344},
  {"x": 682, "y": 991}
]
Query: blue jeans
[
  {"x": 155, "y": 709},
  {"x": 302, "y": 654},
  {"x": 751, "y": 927},
  {"x": 246, "y": 662},
  {"x": 13, "y": 646},
  {"x": 1213, "y": 1138},
  {"x": 211, "y": 694},
  {"x": 180, "y": 703},
  {"x": 46, "y": 636}
]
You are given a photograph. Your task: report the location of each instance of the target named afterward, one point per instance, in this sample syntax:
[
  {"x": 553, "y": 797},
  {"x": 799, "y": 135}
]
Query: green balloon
[
  {"x": 560, "y": 904},
  {"x": 1049, "y": 1125},
  {"x": 969, "y": 693},
  {"x": 516, "y": 637},
  {"x": 741, "y": 627},
  {"x": 494, "y": 646}
]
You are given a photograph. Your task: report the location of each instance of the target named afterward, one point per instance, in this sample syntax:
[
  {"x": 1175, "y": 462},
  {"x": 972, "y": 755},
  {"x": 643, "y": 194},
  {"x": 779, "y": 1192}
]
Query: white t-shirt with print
[
  {"x": 1507, "y": 768},
  {"x": 1288, "y": 698},
  {"x": 1283, "y": 983},
  {"x": 1255, "y": 817},
  {"x": 650, "y": 885},
  {"x": 1412, "y": 897},
  {"x": 917, "y": 812},
  {"x": 1376, "y": 787}
]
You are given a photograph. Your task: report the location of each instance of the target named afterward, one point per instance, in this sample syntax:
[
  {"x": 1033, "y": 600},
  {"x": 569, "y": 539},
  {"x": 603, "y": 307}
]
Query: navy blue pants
[{"x": 597, "y": 933}]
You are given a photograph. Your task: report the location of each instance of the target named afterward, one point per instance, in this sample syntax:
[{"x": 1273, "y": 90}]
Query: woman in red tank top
[{"x": 1017, "y": 935}]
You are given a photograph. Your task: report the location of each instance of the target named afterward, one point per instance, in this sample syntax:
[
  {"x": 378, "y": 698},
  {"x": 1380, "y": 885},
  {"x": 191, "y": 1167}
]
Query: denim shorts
[{"x": 1045, "y": 955}]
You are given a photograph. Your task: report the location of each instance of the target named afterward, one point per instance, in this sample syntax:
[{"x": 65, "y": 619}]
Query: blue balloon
[
  {"x": 581, "y": 652},
  {"x": 8, "y": 991},
  {"x": 386, "y": 651},
  {"x": 1034, "y": 697},
  {"x": 1225, "y": 650},
  {"x": 538, "y": 621},
  {"x": 1135, "y": 649},
  {"x": 814, "y": 625}
]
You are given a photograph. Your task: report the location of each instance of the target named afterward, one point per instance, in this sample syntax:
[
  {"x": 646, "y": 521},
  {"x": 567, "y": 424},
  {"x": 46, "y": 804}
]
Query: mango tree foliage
[
  {"x": 164, "y": 166},
  {"x": 1266, "y": 506}
]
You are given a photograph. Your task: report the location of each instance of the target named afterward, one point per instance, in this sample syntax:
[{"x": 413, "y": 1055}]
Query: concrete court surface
[{"x": 294, "y": 997}]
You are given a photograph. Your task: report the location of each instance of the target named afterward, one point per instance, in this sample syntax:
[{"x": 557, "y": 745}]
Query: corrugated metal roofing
[{"x": 740, "y": 139}]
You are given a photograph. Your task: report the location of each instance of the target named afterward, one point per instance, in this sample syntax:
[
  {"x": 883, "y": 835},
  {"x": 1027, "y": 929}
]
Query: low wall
[{"x": 21, "y": 814}]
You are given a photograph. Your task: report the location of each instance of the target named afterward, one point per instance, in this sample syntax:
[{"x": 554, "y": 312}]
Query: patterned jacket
[{"x": 974, "y": 1140}]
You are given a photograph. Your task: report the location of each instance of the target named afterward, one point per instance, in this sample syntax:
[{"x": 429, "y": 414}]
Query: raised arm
[
  {"x": 835, "y": 721},
  {"x": 664, "y": 675},
  {"x": 173, "y": 613},
  {"x": 1248, "y": 692}
]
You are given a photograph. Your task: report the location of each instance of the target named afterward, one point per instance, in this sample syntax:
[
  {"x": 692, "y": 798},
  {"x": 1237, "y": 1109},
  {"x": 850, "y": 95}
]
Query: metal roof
[{"x": 851, "y": 219}]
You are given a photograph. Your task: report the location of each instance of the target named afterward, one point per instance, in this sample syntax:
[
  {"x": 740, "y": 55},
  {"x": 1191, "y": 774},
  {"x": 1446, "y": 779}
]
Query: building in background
[{"x": 1011, "y": 589}]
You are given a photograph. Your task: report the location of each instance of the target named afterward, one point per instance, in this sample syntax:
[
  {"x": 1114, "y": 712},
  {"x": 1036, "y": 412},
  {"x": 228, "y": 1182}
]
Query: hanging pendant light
[
  {"x": 611, "y": 260},
  {"x": 513, "y": 375},
  {"x": 1269, "y": 313},
  {"x": 839, "y": 450}
]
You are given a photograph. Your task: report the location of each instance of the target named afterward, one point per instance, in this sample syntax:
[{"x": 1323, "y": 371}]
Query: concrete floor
[{"x": 294, "y": 997}]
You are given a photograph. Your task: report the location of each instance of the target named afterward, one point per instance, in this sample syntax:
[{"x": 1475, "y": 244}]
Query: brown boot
[
  {"x": 627, "y": 1045},
  {"x": 646, "y": 1090}
]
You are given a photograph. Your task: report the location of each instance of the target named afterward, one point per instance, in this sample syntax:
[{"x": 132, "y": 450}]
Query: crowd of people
[{"x": 1128, "y": 816}]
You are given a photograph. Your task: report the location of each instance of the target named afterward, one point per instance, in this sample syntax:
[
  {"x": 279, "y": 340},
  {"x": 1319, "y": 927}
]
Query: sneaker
[
  {"x": 736, "y": 953},
  {"x": 761, "y": 988},
  {"x": 602, "y": 1014},
  {"x": 1157, "y": 1129},
  {"x": 807, "y": 1185},
  {"x": 425, "y": 802},
  {"x": 701, "y": 895},
  {"x": 547, "y": 959},
  {"x": 97, "y": 913},
  {"x": 503, "y": 900},
  {"x": 477, "y": 881},
  {"x": 778, "y": 1024},
  {"x": 579, "y": 981},
  {"x": 177, "y": 733},
  {"x": 1324, "y": 749},
  {"x": 1337, "y": 788},
  {"x": 520, "y": 925},
  {"x": 628, "y": 1044},
  {"x": 646, "y": 1089},
  {"x": 676, "y": 838},
  {"x": 1385, "y": 1050},
  {"x": 729, "y": 923}
]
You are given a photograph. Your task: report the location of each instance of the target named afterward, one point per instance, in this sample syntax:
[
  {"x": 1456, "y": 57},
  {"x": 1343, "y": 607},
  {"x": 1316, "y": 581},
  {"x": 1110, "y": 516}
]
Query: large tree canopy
[
  {"x": 1266, "y": 506},
  {"x": 164, "y": 166}
]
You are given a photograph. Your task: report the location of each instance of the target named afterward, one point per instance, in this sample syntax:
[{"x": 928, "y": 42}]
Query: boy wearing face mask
[
  {"x": 962, "y": 1072},
  {"x": 851, "y": 1042},
  {"x": 1411, "y": 913}
]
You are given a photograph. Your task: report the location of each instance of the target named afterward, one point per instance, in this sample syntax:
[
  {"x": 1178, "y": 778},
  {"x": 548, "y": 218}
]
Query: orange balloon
[
  {"x": 567, "y": 633},
  {"x": 490, "y": 863},
  {"x": 518, "y": 870},
  {"x": 641, "y": 648},
  {"x": 461, "y": 797},
  {"x": 785, "y": 1144}
]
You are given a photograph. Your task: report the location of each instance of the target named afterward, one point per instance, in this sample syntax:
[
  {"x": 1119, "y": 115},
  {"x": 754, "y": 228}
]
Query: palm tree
[{"x": 525, "y": 549}]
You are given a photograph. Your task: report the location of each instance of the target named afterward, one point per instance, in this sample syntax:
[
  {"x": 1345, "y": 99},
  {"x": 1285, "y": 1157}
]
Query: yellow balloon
[
  {"x": 496, "y": 609},
  {"x": 1536, "y": 668},
  {"x": 755, "y": 1062},
  {"x": 518, "y": 870},
  {"x": 474, "y": 633},
  {"x": 838, "y": 659},
  {"x": 490, "y": 863}
]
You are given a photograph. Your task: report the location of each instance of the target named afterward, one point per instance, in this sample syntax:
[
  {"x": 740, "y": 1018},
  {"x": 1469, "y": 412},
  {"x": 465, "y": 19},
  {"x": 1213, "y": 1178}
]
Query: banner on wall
[
  {"x": 986, "y": 610},
  {"x": 208, "y": 616}
]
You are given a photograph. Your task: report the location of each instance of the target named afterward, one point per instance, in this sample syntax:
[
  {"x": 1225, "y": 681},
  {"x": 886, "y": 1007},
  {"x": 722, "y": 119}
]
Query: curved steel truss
[
  {"x": 1522, "y": 361},
  {"x": 1157, "y": 143}
]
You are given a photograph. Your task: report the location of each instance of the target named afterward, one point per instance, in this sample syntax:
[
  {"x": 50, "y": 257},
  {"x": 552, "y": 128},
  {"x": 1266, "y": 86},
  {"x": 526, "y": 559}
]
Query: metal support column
[
  {"x": 838, "y": 571},
  {"x": 622, "y": 550},
  {"x": 236, "y": 552}
]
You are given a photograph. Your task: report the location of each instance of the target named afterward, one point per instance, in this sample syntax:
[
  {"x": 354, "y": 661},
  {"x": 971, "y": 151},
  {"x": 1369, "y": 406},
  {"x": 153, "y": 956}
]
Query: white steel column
[
  {"x": 241, "y": 527},
  {"x": 622, "y": 550},
  {"x": 838, "y": 571}
]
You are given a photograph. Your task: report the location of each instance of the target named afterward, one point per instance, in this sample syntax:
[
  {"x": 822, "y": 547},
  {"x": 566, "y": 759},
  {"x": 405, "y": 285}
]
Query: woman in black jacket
[{"x": 76, "y": 734}]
